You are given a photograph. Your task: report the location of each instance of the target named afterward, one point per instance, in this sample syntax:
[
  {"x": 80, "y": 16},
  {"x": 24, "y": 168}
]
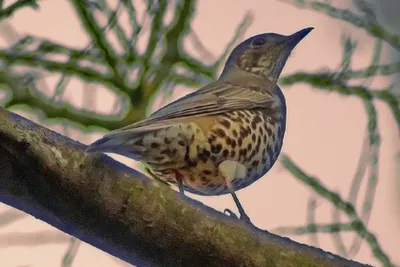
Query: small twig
[
  {"x": 26, "y": 93},
  {"x": 311, "y": 211},
  {"x": 347, "y": 207},
  {"x": 10, "y": 216},
  {"x": 329, "y": 228},
  {"x": 97, "y": 35},
  {"x": 374, "y": 144},
  {"x": 39, "y": 238},
  {"x": 324, "y": 81},
  {"x": 371, "y": 26},
  {"x": 17, "y": 5},
  {"x": 337, "y": 237},
  {"x": 383, "y": 69},
  {"x": 360, "y": 172},
  {"x": 71, "y": 252},
  {"x": 136, "y": 27}
]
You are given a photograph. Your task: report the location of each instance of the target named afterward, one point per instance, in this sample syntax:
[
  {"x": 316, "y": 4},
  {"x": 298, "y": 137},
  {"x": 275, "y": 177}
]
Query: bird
[{"x": 225, "y": 135}]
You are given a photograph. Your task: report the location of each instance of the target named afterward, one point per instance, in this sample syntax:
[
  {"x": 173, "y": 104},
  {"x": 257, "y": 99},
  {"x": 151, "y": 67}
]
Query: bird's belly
[{"x": 247, "y": 137}]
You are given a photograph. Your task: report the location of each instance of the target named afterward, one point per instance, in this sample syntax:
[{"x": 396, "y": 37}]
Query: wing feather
[{"x": 212, "y": 99}]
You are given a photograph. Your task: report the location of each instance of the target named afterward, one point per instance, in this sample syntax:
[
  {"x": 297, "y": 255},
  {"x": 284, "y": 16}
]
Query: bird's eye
[{"x": 258, "y": 41}]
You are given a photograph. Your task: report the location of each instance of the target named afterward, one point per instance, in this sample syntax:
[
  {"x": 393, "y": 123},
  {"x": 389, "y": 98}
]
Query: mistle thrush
[{"x": 222, "y": 137}]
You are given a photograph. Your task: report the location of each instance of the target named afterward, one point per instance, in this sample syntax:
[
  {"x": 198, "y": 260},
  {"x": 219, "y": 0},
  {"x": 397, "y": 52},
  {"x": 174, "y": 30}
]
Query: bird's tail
[
  {"x": 124, "y": 143},
  {"x": 127, "y": 141}
]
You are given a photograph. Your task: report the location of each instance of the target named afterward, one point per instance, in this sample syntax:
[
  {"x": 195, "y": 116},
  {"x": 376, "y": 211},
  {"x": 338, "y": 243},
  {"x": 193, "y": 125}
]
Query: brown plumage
[
  {"x": 193, "y": 149},
  {"x": 222, "y": 137}
]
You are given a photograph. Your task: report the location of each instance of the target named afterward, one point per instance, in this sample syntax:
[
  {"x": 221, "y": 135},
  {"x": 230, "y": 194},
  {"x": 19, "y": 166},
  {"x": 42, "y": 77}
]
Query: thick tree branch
[{"x": 118, "y": 210}]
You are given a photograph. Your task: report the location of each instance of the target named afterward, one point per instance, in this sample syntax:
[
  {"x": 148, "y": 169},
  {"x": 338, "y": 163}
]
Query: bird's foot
[
  {"x": 243, "y": 216},
  {"x": 230, "y": 213}
]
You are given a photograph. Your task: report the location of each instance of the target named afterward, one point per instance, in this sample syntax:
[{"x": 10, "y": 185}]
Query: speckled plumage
[
  {"x": 222, "y": 137},
  {"x": 192, "y": 150}
]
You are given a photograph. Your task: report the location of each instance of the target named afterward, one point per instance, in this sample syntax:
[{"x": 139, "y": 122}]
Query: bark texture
[{"x": 121, "y": 212}]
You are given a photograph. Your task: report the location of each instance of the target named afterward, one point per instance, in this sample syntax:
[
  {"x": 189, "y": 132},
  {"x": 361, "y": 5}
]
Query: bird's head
[{"x": 264, "y": 54}]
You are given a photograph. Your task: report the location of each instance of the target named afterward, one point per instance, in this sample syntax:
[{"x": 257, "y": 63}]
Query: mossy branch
[{"x": 122, "y": 212}]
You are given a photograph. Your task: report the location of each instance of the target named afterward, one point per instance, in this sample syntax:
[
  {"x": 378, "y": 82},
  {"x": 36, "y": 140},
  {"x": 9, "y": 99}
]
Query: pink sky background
[{"x": 324, "y": 135}]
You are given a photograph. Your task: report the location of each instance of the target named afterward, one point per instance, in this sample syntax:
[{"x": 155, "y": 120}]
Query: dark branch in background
[
  {"x": 100, "y": 41},
  {"x": 384, "y": 69},
  {"x": 39, "y": 238},
  {"x": 314, "y": 228},
  {"x": 24, "y": 92},
  {"x": 337, "y": 237},
  {"x": 312, "y": 207},
  {"x": 112, "y": 19},
  {"x": 127, "y": 215},
  {"x": 348, "y": 208},
  {"x": 35, "y": 60},
  {"x": 172, "y": 53},
  {"x": 325, "y": 81},
  {"x": 11, "y": 9},
  {"x": 374, "y": 142},
  {"x": 155, "y": 70},
  {"x": 71, "y": 252},
  {"x": 368, "y": 23},
  {"x": 337, "y": 81},
  {"x": 10, "y": 216}
]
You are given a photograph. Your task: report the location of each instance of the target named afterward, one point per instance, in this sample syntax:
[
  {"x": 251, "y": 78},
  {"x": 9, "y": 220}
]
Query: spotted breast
[{"x": 191, "y": 151}]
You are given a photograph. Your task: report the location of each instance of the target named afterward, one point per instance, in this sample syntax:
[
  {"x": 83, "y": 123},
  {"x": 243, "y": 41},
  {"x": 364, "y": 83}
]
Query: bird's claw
[
  {"x": 243, "y": 217},
  {"x": 230, "y": 214}
]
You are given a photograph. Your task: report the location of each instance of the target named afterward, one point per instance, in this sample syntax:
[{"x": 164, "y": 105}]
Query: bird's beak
[{"x": 292, "y": 40}]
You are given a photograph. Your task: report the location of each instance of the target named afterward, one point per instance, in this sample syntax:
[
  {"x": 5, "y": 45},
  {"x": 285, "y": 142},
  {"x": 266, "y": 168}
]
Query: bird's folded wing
[{"x": 213, "y": 99}]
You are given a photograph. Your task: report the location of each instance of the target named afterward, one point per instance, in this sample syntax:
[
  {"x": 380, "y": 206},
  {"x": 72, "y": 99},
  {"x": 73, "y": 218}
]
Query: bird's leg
[
  {"x": 180, "y": 183},
  {"x": 180, "y": 186},
  {"x": 230, "y": 170},
  {"x": 243, "y": 215}
]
